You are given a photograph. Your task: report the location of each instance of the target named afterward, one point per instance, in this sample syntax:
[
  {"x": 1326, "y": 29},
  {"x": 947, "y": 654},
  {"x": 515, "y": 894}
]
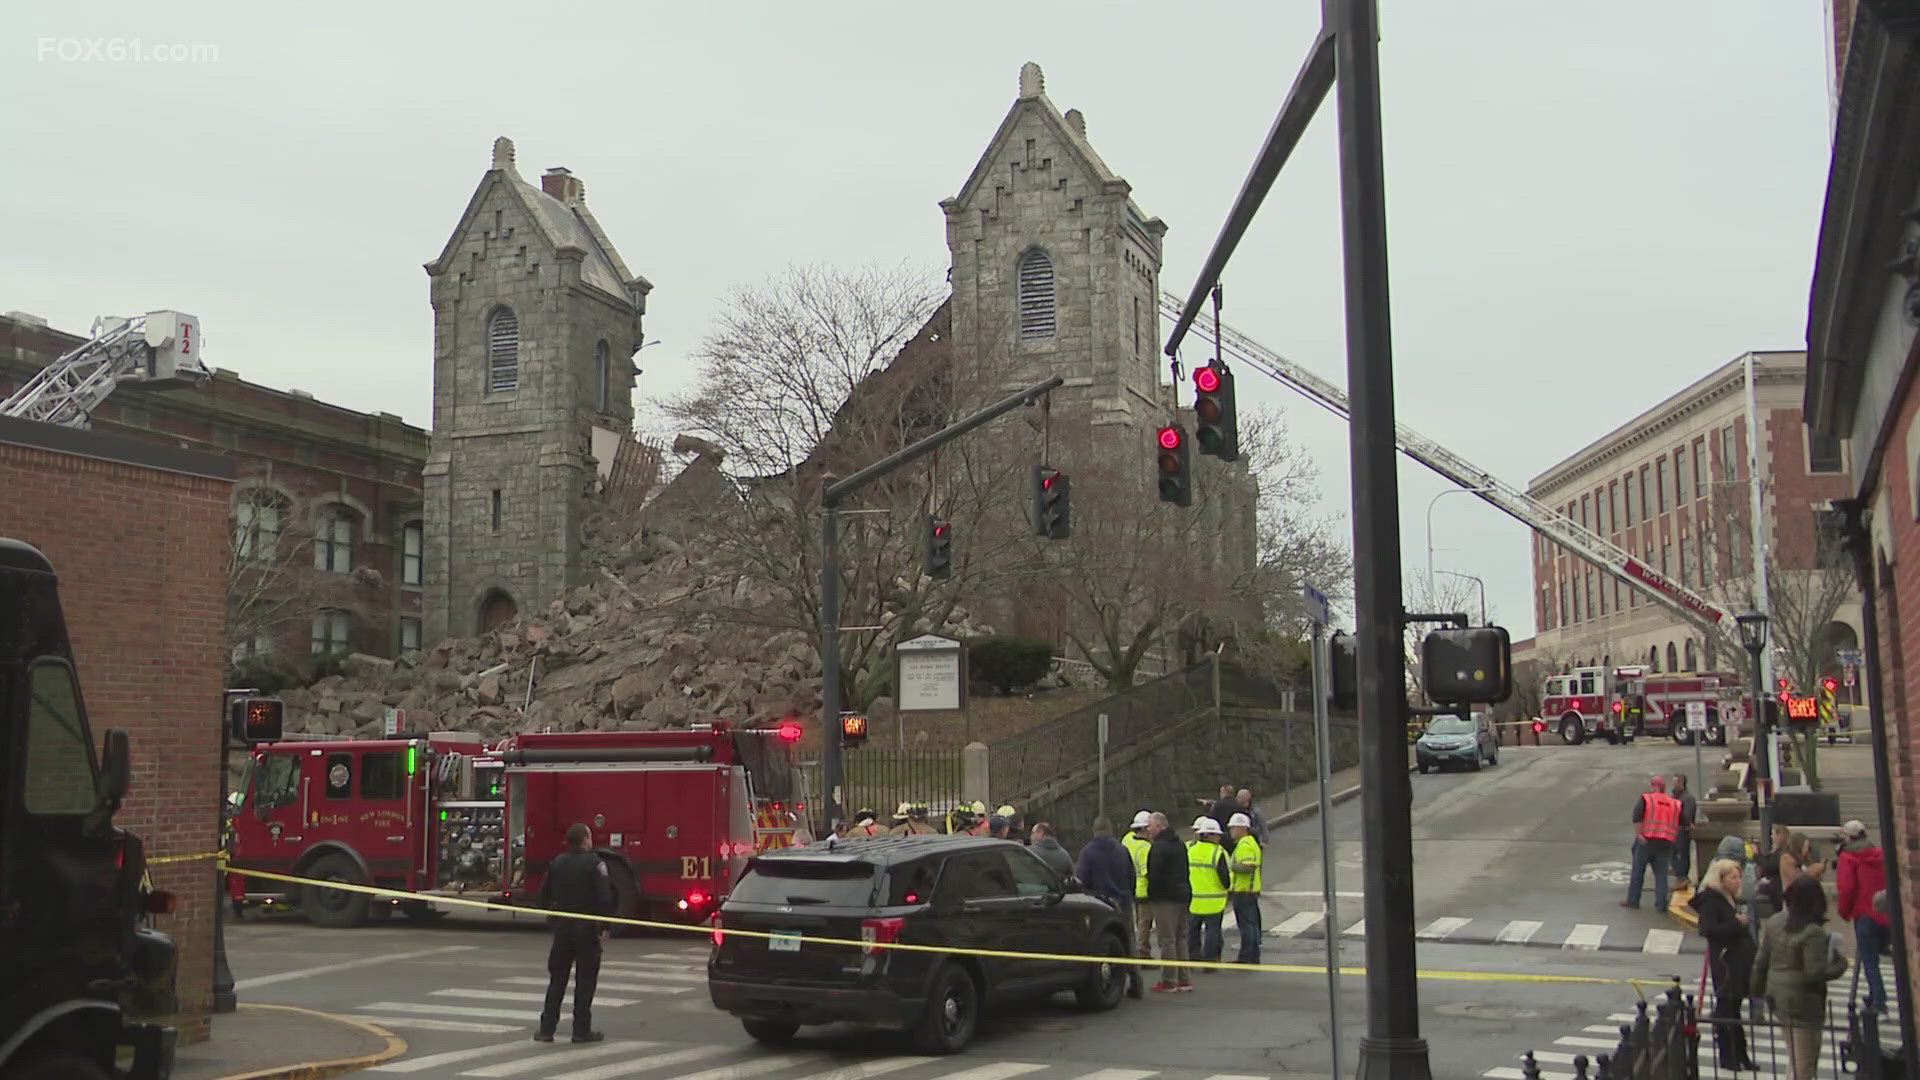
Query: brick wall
[{"x": 140, "y": 551}]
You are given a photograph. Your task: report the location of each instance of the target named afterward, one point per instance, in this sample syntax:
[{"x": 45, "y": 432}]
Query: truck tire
[
  {"x": 334, "y": 909},
  {"x": 953, "y": 1012},
  {"x": 58, "y": 1065},
  {"x": 1572, "y": 732}
]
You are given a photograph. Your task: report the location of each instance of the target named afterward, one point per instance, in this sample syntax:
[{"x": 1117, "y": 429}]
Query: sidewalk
[{"x": 280, "y": 1042}]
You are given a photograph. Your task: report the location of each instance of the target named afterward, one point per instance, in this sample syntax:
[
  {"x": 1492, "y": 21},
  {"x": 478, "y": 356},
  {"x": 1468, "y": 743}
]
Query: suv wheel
[
  {"x": 953, "y": 1011},
  {"x": 771, "y": 1032},
  {"x": 1106, "y": 983}
]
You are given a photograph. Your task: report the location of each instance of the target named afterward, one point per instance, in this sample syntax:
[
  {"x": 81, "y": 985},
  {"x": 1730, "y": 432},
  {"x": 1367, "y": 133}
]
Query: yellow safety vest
[
  {"x": 1247, "y": 850},
  {"x": 1203, "y": 877},
  {"x": 1137, "y": 847}
]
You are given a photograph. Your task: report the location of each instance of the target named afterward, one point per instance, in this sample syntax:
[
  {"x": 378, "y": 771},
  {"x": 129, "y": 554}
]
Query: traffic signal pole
[{"x": 831, "y": 737}]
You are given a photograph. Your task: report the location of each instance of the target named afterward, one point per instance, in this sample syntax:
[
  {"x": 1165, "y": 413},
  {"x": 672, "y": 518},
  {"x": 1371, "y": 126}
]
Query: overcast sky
[{"x": 1590, "y": 205}]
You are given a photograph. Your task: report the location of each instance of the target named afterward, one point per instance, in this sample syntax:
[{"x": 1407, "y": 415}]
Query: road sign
[
  {"x": 392, "y": 722},
  {"x": 1696, "y": 716},
  {"x": 1847, "y": 676},
  {"x": 1318, "y": 609}
]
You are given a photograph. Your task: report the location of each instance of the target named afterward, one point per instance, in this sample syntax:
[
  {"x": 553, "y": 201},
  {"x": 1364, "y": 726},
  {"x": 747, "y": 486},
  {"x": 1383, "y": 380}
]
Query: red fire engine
[
  {"x": 1619, "y": 703},
  {"x": 674, "y": 813}
]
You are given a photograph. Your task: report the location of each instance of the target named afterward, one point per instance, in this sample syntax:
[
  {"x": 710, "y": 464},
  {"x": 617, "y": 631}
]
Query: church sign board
[{"x": 929, "y": 674}]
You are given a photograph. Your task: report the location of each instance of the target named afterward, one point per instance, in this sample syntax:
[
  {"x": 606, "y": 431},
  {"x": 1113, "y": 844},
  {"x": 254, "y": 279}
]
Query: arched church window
[
  {"x": 503, "y": 351},
  {"x": 1036, "y": 295}
]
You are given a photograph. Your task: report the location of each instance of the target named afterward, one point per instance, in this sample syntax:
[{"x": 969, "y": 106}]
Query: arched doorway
[
  {"x": 497, "y": 609},
  {"x": 1653, "y": 657}
]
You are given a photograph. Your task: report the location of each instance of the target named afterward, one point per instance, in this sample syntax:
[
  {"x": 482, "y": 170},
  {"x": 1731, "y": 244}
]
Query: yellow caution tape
[
  {"x": 165, "y": 859},
  {"x": 1005, "y": 954}
]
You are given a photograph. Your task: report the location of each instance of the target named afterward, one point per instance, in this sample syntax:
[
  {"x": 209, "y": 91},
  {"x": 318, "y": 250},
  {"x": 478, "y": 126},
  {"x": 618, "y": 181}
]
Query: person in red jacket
[{"x": 1863, "y": 872}]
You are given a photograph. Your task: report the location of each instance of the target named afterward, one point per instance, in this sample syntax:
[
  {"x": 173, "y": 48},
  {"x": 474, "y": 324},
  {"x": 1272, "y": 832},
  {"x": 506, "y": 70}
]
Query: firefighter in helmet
[
  {"x": 916, "y": 824},
  {"x": 981, "y": 827},
  {"x": 960, "y": 820},
  {"x": 900, "y": 815},
  {"x": 866, "y": 823}
]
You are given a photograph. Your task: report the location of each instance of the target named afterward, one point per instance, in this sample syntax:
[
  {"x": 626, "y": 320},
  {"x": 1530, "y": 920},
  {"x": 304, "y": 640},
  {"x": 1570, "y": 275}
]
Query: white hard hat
[
  {"x": 1141, "y": 820},
  {"x": 903, "y": 810},
  {"x": 1205, "y": 825},
  {"x": 1239, "y": 821}
]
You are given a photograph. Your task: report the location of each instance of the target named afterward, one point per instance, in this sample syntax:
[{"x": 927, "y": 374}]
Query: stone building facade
[
  {"x": 536, "y": 322},
  {"x": 1671, "y": 487}
]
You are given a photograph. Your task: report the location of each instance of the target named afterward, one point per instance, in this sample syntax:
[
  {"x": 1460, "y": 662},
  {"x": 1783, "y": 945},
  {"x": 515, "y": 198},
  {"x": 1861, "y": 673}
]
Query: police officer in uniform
[{"x": 576, "y": 881}]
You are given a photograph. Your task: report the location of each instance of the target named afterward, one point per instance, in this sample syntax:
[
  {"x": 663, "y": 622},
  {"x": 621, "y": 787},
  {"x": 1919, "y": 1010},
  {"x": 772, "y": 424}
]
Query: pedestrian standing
[
  {"x": 1657, "y": 815},
  {"x": 1243, "y": 804},
  {"x": 1797, "y": 960},
  {"x": 1168, "y": 893},
  {"x": 1863, "y": 872},
  {"x": 1244, "y": 891},
  {"x": 1105, "y": 869},
  {"x": 1225, "y": 806},
  {"x": 1683, "y": 844},
  {"x": 1136, "y": 843},
  {"x": 576, "y": 881},
  {"x": 1207, "y": 879},
  {"x": 1044, "y": 844},
  {"x": 866, "y": 823},
  {"x": 1730, "y": 950}
]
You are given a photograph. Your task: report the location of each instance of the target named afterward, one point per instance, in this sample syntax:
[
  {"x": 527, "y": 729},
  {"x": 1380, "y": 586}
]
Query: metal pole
[
  {"x": 1328, "y": 886},
  {"x": 1763, "y": 740},
  {"x": 830, "y": 733},
  {"x": 1762, "y": 596},
  {"x": 1101, "y": 739},
  {"x": 1392, "y": 1048},
  {"x": 1286, "y": 750}
]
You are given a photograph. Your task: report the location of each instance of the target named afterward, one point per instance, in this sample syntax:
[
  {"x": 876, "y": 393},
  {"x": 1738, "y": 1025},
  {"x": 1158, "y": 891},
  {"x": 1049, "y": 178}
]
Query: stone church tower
[{"x": 535, "y": 324}]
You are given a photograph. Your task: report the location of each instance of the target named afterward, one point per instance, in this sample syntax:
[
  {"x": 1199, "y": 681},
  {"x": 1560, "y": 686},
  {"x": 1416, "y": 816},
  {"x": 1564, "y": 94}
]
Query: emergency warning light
[
  {"x": 1830, "y": 684},
  {"x": 1467, "y": 666},
  {"x": 255, "y": 719},
  {"x": 853, "y": 729},
  {"x": 789, "y": 731},
  {"x": 1539, "y": 727},
  {"x": 1216, "y": 428},
  {"x": 1176, "y": 465},
  {"x": 1052, "y": 503},
  {"x": 1343, "y": 672}
]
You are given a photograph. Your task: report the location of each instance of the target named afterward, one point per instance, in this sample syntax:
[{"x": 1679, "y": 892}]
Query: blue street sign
[{"x": 1317, "y": 606}]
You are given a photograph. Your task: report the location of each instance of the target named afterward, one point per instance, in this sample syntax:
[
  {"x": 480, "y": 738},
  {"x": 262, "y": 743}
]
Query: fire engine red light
[
  {"x": 1575, "y": 704},
  {"x": 696, "y": 898},
  {"x": 1618, "y": 706},
  {"x": 1539, "y": 726},
  {"x": 719, "y": 935},
  {"x": 1170, "y": 438},
  {"x": 790, "y": 732},
  {"x": 912, "y": 898},
  {"x": 1831, "y": 684},
  {"x": 799, "y": 806},
  {"x": 1207, "y": 379}
]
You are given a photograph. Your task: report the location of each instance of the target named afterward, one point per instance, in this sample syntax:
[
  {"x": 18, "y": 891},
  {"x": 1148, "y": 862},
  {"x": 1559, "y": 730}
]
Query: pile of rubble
[{"x": 638, "y": 647}]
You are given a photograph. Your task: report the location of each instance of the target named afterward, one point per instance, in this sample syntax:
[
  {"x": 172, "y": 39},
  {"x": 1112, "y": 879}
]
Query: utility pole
[{"x": 1392, "y": 1049}]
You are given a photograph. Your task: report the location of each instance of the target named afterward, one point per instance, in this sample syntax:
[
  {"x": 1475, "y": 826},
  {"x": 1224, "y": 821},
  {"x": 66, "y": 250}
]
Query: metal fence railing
[{"x": 881, "y": 779}]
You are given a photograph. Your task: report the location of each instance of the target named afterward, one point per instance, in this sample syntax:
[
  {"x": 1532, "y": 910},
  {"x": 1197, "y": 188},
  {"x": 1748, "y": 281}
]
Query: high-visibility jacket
[
  {"x": 1207, "y": 876},
  {"x": 1137, "y": 846},
  {"x": 1660, "y": 817},
  {"x": 1246, "y": 850}
]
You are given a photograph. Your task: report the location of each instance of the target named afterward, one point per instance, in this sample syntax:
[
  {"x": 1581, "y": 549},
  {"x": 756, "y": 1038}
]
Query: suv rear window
[{"x": 834, "y": 884}]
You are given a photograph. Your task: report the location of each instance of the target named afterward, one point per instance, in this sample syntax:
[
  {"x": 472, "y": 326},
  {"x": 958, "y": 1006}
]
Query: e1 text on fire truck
[
  {"x": 676, "y": 815},
  {"x": 1620, "y": 703}
]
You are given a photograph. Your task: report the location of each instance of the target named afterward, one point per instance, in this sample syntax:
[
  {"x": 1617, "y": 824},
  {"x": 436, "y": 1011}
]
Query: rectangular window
[
  {"x": 383, "y": 776},
  {"x": 1666, "y": 558},
  {"x": 1703, "y": 539},
  {"x": 1586, "y": 505},
  {"x": 1646, "y": 493},
  {"x": 256, "y": 530},
  {"x": 409, "y": 633},
  {"x": 1729, "y": 453},
  {"x": 1589, "y": 590},
  {"x": 1136, "y": 328},
  {"x": 1613, "y": 503},
  {"x": 330, "y": 632},
  {"x": 276, "y": 781},
  {"x": 1630, "y": 518},
  {"x": 1686, "y": 562},
  {"x": 58, "y": 772},
  {"x": 333, "y": 544},
  {"x": 496, "y": 509},
  {"x": 1700, "y": 468},
  {"x": 1660, "y": 484},
  {"x": 1576, "y": 600},
  {"x": 1560, "y": 590},
  {"x": 1680, "y": 477},
  {"x": 413, "y": 540},
  {"x": 1825, "y": 453}
]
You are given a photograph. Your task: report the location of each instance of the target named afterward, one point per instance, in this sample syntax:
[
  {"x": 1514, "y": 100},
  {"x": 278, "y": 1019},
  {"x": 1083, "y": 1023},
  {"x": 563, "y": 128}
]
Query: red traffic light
[
  {"x": 1170, "y": 438},
  {"x": 789, "y": 731},
  {"x": 1047, "y": 480},
  {"x": 1207, "y": 379},
  {"x": 942, "y": 529}
]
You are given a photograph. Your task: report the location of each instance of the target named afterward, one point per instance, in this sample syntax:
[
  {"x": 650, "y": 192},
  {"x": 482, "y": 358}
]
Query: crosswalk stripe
[
  {"x": 753, "y": 1068},
  {"x": 1666, "y": 942},
  {"x": 1118, "y": 1074},
  {"x": 1518, "y": 932},
  {"x": 641, "y": 1064},
  {"x": 558, "y": 1055},
  {"x": 450, "y": 1057},
  {"x": 605, "y": 984},
  {"x": 507, "y": 995},
  {"x": 1597, "y": 1044},
  {"x": 1508, "y": 1072},
  {"x": 864, "y": 1069},
  {"x": 1551, "y": 1058},
  {"x": 1585, "y": 936},
  {"x": 1358, "y": 929},
  {"x": 1438, "y": 929},
  {"x": 1294, "y": 924},
  {"x": 426, "y": 1008},
  {"x": 423, "y": 1023},
  {"x": 997, "y": 1070},
  {"x": 668, "y": 974}
]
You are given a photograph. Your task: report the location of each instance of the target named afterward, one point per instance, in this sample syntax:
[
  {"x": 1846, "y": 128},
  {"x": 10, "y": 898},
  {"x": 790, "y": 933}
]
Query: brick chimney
[{"x": 562, "y": 185}]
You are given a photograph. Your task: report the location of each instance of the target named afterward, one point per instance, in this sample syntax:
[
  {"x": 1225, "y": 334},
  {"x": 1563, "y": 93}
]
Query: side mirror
[{"x": 116, "y": 767}]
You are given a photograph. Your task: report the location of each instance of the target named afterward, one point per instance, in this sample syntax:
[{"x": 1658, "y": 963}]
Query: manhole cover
[{"x": 1476, "y": 1011}]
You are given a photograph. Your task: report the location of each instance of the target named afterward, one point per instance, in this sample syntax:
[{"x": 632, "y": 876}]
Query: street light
[
  {"x": 1753, "y": 635},
  {"x": 1435, "y": 499},
  {"x": 1476, "y": 581}
]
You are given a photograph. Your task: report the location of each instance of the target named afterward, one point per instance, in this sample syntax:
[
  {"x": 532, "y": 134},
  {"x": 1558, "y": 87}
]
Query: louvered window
[
  {"x": 602, "y": 376},
  {"x": 503, "y": 351},
  {"x": 1036, "y": 295}
]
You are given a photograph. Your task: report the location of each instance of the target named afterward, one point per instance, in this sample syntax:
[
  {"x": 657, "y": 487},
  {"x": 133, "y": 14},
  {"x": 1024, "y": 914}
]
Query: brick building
[
  {"x": 1671, "y": 487},
  {"x": 128, "y": 526},
  {"x": 328, "y": 543},
  {"x": 1863, "y": 358}
]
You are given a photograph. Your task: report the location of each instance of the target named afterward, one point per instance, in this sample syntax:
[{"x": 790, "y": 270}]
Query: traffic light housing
[
  {"x": 1471, "y": 666},
  {"x": 853, "y": 729},
  {"x": 1216, "y": 427},
  {"x": 1175, "y": 458},
  {"x": 938, "y": 562},
  {"x": 1052, "y": 503},
  {"x": 253, "y": 719},
  {"x": 1830, "y": 684},
  {"x": 1343, "y": 672}
]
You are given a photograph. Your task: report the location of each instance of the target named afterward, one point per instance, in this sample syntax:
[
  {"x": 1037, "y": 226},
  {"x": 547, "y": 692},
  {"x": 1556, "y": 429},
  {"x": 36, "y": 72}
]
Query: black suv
[{"x": 958, "y": 891}]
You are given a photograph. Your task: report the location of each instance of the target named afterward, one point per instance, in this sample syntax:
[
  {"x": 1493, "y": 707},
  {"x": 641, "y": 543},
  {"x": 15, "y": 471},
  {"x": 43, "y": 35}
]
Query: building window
[
  {"x": 409, "y": 633},
  {"x": 1673, "y": 658},
  {"x": 413, "y": 540},
  {"x": 1576, "y": 599},
  {"x": 1729, "y": 453},
  {"x": 1680, "y": 477},
  {"x": 1646, "y": 494},
  {"x": 1613, "y": 504},
  {"x": 1586, "y": 505},
  {"x": 1629, "y": 519},
  {"x": 333, "y": 543},
  {"x": 1136, "y": 328},
  {"x": 496, "y": 509},
  {"x": 258, "y": 645},
  {"x": 1660, "y": 484},
  {"x": 256, "y": 526},
  {"x": 331, "y": 629},
  {"x": 1827, "y": 538},
  {"x": 1653, "y": 658},
  {"x": 1825, "y": 453},
  {"x": 1666, "y": 558},
  {"x": 1560, "y": 589},
  {"x": 1693, "y": 656},
  {"x": 602, "y": 377},
  {"x": 1037, "y": 319},
  {"x": 503, "y": 351},
  {"x": 1686, "y": 562},
  {"x": 1700, "y": 468},
  {"x": 1704, "y": 540}
]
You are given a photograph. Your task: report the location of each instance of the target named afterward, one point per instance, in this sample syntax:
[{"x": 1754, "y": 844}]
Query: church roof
[{"x": 1033, "y": 97}]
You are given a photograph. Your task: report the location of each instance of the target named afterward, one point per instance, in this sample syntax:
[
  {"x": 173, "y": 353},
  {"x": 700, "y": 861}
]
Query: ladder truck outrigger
[
  {"x": 1713, "y": 620},
  {"x": 156, "y": 351}
]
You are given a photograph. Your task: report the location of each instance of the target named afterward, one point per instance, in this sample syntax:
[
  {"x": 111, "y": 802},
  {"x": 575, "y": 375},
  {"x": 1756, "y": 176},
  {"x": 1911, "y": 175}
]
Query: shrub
[{"x": 1005, "y": 662}]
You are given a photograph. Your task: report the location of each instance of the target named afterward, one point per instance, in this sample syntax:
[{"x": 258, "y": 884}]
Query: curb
[
  {"x": 1310, "y": 809},
  {"x": 315, "y": 1070}
]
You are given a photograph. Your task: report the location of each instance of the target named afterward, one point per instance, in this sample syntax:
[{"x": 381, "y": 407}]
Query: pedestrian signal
[
  {"x": 853, "y": 729},
  {"x": 1467, "y": 666},
  {"x": 1343, "y": 674},
  {"x": 256, "y": 719}
]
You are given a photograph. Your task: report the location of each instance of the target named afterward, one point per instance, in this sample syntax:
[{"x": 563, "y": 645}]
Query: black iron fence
[{"x": 881, "y": 779}]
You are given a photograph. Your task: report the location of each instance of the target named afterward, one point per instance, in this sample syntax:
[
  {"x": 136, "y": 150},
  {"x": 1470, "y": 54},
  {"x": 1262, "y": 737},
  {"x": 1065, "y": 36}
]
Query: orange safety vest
[{"x": 1660, "y": 819}]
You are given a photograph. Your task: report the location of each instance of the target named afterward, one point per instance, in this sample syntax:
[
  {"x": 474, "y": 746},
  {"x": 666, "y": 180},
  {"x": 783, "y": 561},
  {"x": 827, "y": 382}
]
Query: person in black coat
[
  {"x": 1168, "y": 893},
  {"x": 576, "y": 881},
  {"x": 1106, "y": 870},
  {"x": 1729, "y": 957}
]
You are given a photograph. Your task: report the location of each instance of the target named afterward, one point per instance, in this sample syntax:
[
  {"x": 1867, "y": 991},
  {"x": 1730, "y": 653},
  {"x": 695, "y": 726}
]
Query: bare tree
[{"x": 272, "y": 582}]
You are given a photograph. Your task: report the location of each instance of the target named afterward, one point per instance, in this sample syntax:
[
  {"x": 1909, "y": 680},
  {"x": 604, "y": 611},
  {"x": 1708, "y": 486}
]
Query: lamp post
[
  {"x": 1435, "y": 499},
  {"x": 1476, "y": 581},
  {"x": 1753, "y": 635}
]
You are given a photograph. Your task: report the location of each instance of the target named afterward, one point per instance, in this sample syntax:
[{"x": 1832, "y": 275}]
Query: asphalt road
[{"x": 1515, "y": 842}]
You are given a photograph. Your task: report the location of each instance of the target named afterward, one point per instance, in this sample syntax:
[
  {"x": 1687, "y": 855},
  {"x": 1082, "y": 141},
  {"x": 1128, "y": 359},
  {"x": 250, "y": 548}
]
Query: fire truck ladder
[
  {"x": 158, "y": 350},
  {"x": 1553, "y": 525}
]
